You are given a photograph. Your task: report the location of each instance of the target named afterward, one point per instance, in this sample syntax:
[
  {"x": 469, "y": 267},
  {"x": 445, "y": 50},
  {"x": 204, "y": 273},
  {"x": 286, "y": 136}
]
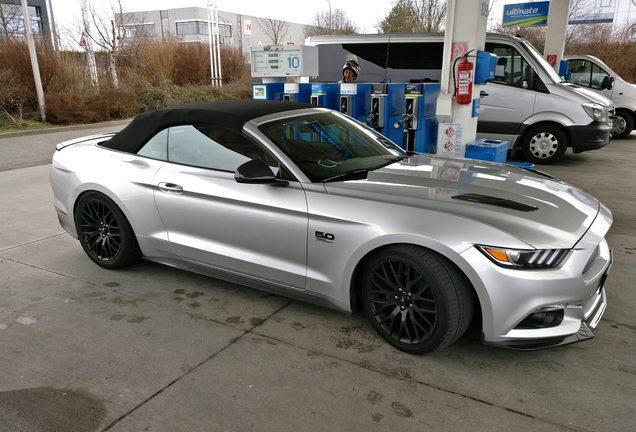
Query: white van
[
  {"x": 588, "y": 71},
  {"x": 527, "y": 104}
]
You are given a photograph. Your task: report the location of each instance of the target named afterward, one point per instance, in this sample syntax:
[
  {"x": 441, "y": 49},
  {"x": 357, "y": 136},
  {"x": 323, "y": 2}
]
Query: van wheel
[
  {"x": 416, "y": 300},
  {"x": 623, "y": 124},
  {"x": 544, "y": 144}
]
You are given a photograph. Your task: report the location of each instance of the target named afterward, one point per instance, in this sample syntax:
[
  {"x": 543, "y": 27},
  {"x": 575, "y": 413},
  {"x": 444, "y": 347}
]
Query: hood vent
[{"x": 495, "y": 201}]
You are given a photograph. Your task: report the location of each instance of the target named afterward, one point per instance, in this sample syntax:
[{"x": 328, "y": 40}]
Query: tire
[
  {"x": 623, "y": 124},
  {"x": 104, "y": 232},
  {"x": 544, "y": 144},
  {"x": 416, "y": 300}
]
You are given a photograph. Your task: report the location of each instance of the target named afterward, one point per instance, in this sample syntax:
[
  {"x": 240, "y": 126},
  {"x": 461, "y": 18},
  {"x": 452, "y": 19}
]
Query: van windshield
[{"x": 554, "y": 76}]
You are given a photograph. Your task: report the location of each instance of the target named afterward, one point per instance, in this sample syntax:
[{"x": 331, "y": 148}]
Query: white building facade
[{"x": 191, "y": 25}]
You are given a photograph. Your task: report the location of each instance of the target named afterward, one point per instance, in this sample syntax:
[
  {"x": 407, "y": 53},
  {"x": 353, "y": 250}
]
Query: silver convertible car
[{"x": 306, "y": 202}]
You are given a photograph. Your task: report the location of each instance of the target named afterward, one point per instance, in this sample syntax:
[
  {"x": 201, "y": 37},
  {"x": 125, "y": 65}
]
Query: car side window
[
  {"x": 580, "y": 72},
  {"x": 156, "y": 147},
  {"x": 510, "y": 64},
  {"x": 213, "y": 147}
]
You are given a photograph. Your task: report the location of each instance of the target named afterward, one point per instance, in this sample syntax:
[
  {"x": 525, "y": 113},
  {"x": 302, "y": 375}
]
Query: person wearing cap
[{"x": 351, "y": 69}]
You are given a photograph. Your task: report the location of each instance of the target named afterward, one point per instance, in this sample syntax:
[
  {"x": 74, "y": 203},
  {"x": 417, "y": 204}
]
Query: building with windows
[
  {"x": 12, "y": 21},
  {"x": 191, "y": 25},
  {"x": 620, "y": 13}
]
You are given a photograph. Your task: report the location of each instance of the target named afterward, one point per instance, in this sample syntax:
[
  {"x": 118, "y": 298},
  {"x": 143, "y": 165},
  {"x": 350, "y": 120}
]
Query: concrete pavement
[{"x": 151, "y": 348}]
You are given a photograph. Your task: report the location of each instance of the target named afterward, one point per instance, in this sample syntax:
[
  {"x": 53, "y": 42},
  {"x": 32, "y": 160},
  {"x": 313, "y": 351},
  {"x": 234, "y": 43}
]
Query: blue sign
[{"x": 526, "y": 14}]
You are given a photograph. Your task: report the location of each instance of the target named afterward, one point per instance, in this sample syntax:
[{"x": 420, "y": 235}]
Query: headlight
[
  {"x": 596, "y": 111},
  {"x": 523, "y": 258}
]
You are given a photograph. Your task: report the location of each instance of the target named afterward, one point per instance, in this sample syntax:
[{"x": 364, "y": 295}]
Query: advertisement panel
[{"x": 526, "y": 14}]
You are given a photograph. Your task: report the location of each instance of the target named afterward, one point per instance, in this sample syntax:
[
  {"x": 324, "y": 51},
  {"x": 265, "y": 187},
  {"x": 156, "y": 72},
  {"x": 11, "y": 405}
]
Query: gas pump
[
  {"x": 325, "y": 95},
  {"x": 420, "y": 123},
  {"x": 387, "y": 107},
  {"x": 297, "y": 92},
  {"x": 355, "y": 101}
]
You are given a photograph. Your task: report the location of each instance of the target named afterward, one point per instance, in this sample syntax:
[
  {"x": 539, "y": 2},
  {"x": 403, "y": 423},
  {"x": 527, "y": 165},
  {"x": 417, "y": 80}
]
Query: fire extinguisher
[{"x": 464, "y": 82}]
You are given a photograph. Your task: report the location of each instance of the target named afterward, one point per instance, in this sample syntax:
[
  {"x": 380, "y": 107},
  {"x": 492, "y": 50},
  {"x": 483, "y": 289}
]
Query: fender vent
[{"x": 495, "y": 201}]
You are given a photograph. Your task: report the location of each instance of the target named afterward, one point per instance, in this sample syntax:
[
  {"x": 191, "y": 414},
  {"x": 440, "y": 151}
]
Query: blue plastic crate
[
  {"x": 488, "y": 150},
  {"x": 526, "y": 165}
]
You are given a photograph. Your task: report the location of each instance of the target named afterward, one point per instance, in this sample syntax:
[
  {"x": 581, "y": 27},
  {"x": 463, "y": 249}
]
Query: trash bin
[{"x": 488, "y": 150}]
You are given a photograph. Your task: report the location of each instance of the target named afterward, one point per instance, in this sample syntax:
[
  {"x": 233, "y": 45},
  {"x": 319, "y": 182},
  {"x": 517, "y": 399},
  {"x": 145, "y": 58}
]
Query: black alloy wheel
[
  {"x": 415, "y": 299},
  {"x": 104, "y": 232}
]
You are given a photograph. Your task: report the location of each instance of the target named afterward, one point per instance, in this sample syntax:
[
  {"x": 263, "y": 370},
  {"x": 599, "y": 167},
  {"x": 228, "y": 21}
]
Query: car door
[
  {"x": 255, "y": 230},
  {"x": 587, "y": 73},
  {"x": 505, "y": 103}
]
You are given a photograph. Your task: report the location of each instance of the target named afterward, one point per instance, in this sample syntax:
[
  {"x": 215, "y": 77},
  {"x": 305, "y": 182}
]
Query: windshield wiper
[{"x": 357, "y": 173}]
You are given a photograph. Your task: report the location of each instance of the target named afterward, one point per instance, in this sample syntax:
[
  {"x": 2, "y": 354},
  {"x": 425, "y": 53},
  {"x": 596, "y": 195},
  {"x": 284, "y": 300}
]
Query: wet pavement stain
[
  {"x": 194, "y": 294},
  {"x": 45, "y": 409},
  {"x": 117, "y": 317},
  {"x": 125, "y": 301},
  {"x": 255, "y": 321},
  {"x": 233, "y": 320},
  {"x": 111, "y": 284},
  {"x": 179, "y": 291},
  {"x": 297, "y": 326},
  {"x": 178, "y": 299},
  {"x": 194, "y": 305},
  {"x": 93, "y": 294},
  {"x": 400, "y": 410},
  {"x": 374, "y": 397},
  {"x": 377, "y": 417}
]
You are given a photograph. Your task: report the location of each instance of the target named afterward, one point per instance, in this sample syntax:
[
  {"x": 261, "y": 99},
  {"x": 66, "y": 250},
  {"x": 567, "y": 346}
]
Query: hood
[
  {"x": 590, "y": 94},
  {"x": 531, "y": 207}
]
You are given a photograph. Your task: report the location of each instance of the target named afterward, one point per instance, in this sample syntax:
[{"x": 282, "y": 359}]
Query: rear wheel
[
  {"x": 544, "y": 144},
  {"x": 623, "y": 124},
  {"x": 415, "y": 299},
  {"x": 104, "y": 232}
]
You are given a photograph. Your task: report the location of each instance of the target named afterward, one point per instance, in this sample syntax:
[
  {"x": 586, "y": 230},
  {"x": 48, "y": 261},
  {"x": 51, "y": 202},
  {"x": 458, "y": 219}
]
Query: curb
[{"x": 62, "y": 128}]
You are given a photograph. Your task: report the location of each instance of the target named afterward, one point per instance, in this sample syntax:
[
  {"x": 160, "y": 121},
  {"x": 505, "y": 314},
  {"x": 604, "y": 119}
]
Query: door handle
[
  {"x": 170, "y": 188},
  {"x": 482, "y": 94}
]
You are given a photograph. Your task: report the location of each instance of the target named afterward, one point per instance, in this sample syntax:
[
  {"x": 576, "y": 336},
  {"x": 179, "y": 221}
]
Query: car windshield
[
  {"x": 554, "y": 76},
  {"x": 329, "y": 146}
]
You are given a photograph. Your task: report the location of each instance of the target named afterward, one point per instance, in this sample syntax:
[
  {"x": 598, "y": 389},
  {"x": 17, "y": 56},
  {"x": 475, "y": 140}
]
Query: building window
[
  {"x": 201, "y": 28},
  {"x": 140, "y": 30},
  {"x": 12, "y": 21},
  {"x": 606, "y": 3}
]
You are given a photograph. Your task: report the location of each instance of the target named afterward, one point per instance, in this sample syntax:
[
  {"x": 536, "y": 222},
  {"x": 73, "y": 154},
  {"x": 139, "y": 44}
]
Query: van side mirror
[
  {"x": 254, "y": 171},
  {"x": 608, "y": 83},
  {"x": 529, "y": 78}
]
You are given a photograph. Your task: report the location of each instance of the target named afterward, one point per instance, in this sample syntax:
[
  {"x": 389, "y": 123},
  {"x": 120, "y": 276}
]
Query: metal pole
[
  {"x": 218, "y": 45},
  {"x": 210, "y": 44},
  {"x": 215, "y": 74},
  {"x": 34, "y": 60}
]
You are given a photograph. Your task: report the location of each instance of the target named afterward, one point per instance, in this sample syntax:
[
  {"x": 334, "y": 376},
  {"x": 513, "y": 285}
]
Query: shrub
[{"x": 107, "y": 104}]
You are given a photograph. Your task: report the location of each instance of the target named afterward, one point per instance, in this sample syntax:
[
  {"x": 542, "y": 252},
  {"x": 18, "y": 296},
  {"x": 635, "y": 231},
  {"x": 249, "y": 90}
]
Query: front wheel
[
  {"x": 544, "y": 144},
  {"x": 623, "y": 124},
  {"x": 104, "y": 232},
  {"x": 415, "y": 299}
]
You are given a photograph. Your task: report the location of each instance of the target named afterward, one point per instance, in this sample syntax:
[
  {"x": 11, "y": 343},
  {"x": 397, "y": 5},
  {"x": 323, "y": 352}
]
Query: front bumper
[
  {"x": 590, "y": 137},
  {"x": 509, "y": 298}
]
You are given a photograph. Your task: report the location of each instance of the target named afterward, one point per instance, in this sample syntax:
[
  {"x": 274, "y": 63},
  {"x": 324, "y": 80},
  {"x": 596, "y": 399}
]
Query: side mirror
[
  {"x": 529, "y": 78},
  {"x": 608, "y": 83},
  {"x": 254, "y": 171}
]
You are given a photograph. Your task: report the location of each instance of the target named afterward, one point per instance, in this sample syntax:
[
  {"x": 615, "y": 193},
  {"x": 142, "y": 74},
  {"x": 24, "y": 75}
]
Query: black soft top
[{"x": 232, "y": 114}]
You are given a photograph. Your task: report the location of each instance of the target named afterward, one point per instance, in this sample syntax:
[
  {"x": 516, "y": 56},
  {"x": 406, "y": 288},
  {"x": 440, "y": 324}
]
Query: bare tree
[
  {"x": 415, "y": 16},
  {"x": 11, "y": 21},
  {"x": 274, "y": 29},
  {"x": 330, "y": 22}
]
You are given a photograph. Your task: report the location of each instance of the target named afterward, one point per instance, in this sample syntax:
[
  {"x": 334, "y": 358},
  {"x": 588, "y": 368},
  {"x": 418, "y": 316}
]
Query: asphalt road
[{"x": 152, "y": 348}]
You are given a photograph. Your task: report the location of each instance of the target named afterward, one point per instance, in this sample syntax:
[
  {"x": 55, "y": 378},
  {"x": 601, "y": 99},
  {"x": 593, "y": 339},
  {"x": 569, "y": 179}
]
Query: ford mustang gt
[{"x": 308, "y": 203}]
